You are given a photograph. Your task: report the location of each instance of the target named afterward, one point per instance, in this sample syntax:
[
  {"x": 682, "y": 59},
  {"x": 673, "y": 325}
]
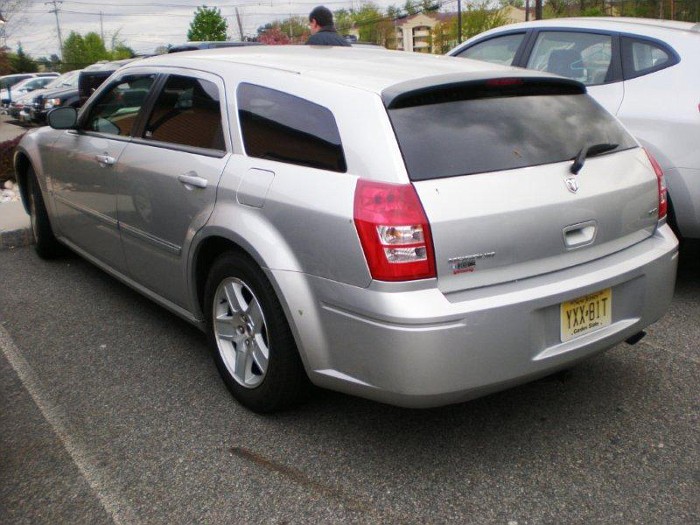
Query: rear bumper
[{"x": 422, "y": 348}]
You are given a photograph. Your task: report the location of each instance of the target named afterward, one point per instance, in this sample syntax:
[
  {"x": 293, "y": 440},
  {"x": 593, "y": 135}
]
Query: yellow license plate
[{"x": 586, "y": 314}]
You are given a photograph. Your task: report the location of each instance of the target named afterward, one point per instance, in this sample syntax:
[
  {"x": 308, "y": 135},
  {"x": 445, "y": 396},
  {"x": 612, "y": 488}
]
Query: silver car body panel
[
  {"x": 420, "y": 343},
  {"x": 525, "y": 221}
]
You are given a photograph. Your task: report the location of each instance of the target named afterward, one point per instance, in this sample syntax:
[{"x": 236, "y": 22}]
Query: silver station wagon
[{"x": 411, "y": 229}]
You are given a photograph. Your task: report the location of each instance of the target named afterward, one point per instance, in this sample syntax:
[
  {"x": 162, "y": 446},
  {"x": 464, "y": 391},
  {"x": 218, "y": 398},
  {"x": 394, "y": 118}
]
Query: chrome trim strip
[
  {"x": 88, "y": 211},
  {"x": 151, "y": 239}
]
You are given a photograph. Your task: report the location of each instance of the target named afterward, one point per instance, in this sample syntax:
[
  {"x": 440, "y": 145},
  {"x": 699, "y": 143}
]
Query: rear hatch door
[{"x": 493, "y": 170}]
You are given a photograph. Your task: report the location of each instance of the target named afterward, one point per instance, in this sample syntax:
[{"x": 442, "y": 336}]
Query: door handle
[
  {"x": 193, "y": 180},
  {"x": 105, "y": 160}
]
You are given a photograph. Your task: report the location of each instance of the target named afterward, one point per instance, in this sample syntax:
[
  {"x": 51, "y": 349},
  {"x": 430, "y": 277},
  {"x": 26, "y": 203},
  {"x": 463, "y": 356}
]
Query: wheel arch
[
  {"x": 22, "y": 163},
  {"x": 211, "y": 243}
]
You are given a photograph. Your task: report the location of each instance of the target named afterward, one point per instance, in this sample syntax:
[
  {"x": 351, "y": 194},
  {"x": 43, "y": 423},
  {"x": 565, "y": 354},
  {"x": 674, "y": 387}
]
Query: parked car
[
  {"x": 92, "y": 77},
  {"x": 646, "y": 72},
  {"x": 11, "y": 89},
  {"x": 62, "y": 92},
  {"x": 19, "y": 107},
  {"x": 412, "y": 229},
  {"x": 10, "y": 80}
]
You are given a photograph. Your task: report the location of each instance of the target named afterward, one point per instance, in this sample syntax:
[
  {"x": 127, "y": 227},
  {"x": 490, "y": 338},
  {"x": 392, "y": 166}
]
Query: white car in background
[
  {"x": 646, "y": 72},
  {"x": 25, "y": 86}
]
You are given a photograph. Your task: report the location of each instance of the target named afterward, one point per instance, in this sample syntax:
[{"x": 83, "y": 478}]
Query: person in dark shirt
[{"x": 323, "y": 32}]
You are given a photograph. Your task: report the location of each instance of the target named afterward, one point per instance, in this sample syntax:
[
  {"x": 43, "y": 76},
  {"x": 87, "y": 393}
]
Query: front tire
[
  {"x": 45, "y": 242},
  {"x": 254, "y": 348}
]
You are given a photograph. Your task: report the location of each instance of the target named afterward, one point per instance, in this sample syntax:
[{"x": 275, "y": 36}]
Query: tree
[
  {"x": 208, "y": 24},
  {"x": 80, "y": 52},
  {"x": 479, "y": 17},
  {"x": 20, "y": 62},
  {"x": 5, "y": 66},
  {"x": 272, "y": 36},
  {"x": 119, "y": 49}
]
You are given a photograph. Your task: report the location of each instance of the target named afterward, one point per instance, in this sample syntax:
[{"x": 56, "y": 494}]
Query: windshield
[
  {"x": 492, "y": 134},
  {"x": 69, "y": 79}
]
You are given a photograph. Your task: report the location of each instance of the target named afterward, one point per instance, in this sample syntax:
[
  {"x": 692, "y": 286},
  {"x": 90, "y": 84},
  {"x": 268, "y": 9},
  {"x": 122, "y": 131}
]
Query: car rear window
[{"x": 477, "y": 135}]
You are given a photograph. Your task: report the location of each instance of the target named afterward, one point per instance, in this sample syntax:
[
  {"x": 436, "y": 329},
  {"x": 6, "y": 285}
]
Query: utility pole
[
  {"x": 58, "y": 25},
  {"x": 102, "y": 29},
  {"x": 240, "y": 24},
  {"x": 459, "y": 21}
]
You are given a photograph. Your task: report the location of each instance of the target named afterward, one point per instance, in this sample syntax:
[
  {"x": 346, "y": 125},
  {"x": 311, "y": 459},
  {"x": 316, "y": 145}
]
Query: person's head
[{"x": 320, "y": 17}]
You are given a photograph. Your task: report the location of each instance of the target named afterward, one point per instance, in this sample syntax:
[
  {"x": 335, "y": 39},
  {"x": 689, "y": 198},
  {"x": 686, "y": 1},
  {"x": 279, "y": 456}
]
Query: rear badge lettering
[{"x": 467, "y": 263}]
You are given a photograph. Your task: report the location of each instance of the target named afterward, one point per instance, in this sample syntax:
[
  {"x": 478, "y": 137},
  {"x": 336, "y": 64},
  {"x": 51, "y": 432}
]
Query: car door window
[
  {"x": 187, "y": 112},
  {"x": 641, "y": 57},
  {"x": 585, "y": 57},
  {"x": 498, "y": 50},
  {"x": 281, "y": 127},
  {"x": 115, "y": 112}
]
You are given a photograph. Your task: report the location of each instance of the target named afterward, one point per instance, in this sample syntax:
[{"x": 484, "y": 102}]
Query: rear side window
[
  {"x": 641, "y": 57},
  {"x": 282, "y": 127},
  {"x": 463, "y": 137},
  {"x": 498, "y": 50},
  {"x": 187, "y": 112}
]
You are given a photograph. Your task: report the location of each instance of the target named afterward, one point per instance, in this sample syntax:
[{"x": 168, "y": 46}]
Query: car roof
[{"x": 368, "y": 69}]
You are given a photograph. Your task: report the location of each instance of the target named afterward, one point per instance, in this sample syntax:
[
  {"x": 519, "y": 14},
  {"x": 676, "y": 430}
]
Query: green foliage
[
  {"x": 479, "y": 17},
  {"x": 20, "y": 62},
  {"x": 80, "y": 52},
  {"x": 593, "y": 11},
  {"x": 444, "y": 37},
  {"x": 5, "y": 66},
  {"x": 293, "y": 30},
  {"x": 369, "y": 20},
  {"x": 561, "y": 8},
  {"x": 343, "y": 20},
  {"x": 208, "y": 24},
  {"x": 122, "y": 51},
  {"x": 515, "y": 3}
]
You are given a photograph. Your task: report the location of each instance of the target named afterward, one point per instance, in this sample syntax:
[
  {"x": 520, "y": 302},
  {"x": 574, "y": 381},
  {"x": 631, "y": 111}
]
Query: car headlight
[{"x": 52, "y": 103}]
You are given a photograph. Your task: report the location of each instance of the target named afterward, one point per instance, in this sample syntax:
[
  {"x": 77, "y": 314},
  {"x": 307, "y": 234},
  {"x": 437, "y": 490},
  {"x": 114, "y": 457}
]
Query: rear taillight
[
  {"x": 661, "y": 182},
  {"x": 394, "y": 231}
]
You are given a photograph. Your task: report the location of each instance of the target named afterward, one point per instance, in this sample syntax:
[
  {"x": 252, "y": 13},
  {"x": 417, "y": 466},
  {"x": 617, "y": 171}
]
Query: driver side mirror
[{"x": 62, "y": 118}]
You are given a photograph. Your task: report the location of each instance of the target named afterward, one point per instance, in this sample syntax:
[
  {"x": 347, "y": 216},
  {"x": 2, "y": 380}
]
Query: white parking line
[{"x": 117, "y": 510}]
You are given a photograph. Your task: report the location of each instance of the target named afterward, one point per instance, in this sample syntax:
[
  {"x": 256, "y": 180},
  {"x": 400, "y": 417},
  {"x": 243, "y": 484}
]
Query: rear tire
[
  {"x": 45, "y": 242},
  {"x": 253, "y": 346}
]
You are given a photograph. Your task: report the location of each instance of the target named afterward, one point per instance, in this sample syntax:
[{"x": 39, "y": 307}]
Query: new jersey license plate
[{"x": 586, "y": 314}]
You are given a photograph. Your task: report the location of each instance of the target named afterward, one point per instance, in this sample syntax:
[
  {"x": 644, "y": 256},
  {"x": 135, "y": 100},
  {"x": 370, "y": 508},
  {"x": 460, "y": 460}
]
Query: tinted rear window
[{"x": 463, "y": 137}]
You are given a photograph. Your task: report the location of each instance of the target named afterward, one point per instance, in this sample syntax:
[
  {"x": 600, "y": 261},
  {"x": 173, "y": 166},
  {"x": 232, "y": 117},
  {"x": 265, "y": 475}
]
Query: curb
[
  {"x": 15, "y": 226},
  {"x": 16, "y": 239}
]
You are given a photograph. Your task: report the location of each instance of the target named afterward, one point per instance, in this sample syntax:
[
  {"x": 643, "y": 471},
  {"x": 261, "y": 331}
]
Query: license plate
[{"x": 586, "y": 314}]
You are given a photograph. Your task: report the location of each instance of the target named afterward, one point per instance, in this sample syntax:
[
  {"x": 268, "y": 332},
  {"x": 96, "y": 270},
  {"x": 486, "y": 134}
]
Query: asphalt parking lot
[{"x": 112, "y": 411}]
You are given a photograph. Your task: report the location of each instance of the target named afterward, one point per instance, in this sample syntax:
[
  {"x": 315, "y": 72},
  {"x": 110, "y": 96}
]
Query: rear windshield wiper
[{"x": 590, "y": 151}]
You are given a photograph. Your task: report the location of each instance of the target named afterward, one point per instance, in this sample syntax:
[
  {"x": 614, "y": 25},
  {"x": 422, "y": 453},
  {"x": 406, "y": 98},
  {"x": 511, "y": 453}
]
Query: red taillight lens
[
  {"x": 661, "y": 181},
  {"x": 394, "y": 231}
]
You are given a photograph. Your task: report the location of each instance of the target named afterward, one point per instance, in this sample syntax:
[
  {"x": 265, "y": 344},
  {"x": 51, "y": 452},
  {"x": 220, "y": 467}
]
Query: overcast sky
[{"x": 144, "y": 25}]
